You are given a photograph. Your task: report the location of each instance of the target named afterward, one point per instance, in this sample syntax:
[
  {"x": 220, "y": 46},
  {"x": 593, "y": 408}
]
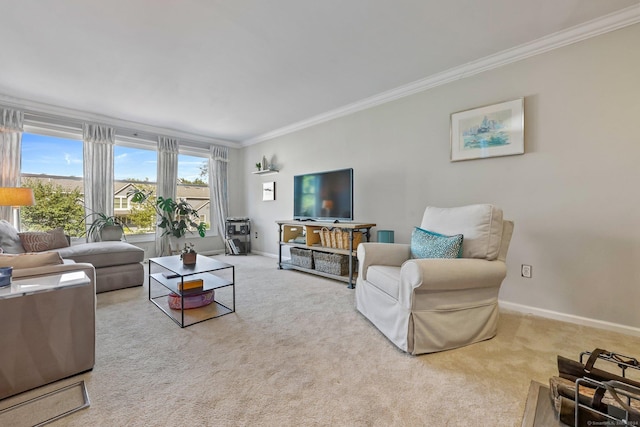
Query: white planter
[
  {"x": 110, "y": 233},
  {"x": 176, "y": 244}
]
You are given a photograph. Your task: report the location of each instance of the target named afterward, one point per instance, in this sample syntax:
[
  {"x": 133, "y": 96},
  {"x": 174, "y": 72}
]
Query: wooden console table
[{"x": 288, "y": 229}]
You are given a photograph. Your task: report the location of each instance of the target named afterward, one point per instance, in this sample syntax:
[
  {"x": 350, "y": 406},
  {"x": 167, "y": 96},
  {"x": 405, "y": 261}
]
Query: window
[
  {"x": 52, "y": 164},
  {"x": 121, "y": 203},
  {"x": 134, "y": 167},
  {"x": 193, "y": 184},
  {"x": 52, "y": 167}
]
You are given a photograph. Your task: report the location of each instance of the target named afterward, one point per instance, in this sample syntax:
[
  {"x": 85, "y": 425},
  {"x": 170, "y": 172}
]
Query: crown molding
[
  {"x": 70, "y": 116},
  {"x": 593, "y": 28}
]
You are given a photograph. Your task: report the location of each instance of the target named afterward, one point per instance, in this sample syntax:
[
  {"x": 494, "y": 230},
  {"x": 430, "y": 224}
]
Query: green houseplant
[
  {"x": 105, "y": 227},
  {"x": 176, "y": 217}
]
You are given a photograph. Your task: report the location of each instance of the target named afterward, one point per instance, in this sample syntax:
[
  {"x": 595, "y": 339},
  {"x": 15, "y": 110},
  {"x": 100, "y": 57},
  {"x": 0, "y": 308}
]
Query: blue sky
[{"x": 49, "y": 155}]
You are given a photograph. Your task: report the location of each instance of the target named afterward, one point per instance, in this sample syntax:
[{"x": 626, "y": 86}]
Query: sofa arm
[
  {"x": 47, "y": 270},
  {"x": 448, "y": 275},
  {"x": 381, "y": 254}
]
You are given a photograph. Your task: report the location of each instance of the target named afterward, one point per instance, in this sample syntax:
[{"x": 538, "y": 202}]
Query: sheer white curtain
[
  {"x": 11, "y": 122},
  {"x": 98, "y": 168},
  {"x": 218, "y": 161},
  {"x": 167, "y": 181}
]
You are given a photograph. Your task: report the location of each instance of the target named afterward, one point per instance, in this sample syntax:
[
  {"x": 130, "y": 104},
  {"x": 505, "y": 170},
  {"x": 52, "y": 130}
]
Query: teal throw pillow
[{"x": 427, "y": 244}]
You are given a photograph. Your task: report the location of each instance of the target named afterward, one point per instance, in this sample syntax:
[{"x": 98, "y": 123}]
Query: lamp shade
[{"x": 16, "y": 196}]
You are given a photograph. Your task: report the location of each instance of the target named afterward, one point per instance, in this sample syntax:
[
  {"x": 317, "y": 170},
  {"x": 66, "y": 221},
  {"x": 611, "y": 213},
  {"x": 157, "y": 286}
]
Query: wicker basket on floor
[
  {"x": 331, "y": 263},
  {"x": 301, "y": 258}
]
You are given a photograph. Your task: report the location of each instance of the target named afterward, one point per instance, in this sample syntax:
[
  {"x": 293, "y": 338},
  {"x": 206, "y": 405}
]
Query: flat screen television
[{"x": 323, "y": 196}]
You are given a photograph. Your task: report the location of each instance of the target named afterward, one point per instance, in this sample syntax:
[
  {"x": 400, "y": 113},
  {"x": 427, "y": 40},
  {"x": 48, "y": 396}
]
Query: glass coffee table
[{"x": 169, "y": 281}]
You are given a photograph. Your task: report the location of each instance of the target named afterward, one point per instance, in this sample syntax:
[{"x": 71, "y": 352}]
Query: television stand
[{"x": 289, "y": 232}]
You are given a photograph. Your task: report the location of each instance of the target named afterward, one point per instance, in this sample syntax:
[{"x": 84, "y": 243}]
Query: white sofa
[{"x": 428, "y": 305}]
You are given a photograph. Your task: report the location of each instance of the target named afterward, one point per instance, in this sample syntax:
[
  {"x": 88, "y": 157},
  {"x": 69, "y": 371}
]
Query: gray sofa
[{"x": 118, "y": 265}]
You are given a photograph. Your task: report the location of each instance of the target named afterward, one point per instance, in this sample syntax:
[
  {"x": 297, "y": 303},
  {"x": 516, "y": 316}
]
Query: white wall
[{"x": 573, "y": 196}]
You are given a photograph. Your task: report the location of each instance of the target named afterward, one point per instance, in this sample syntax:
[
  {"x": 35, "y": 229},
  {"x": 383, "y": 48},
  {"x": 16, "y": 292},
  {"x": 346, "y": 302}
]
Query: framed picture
[
  {"x": 268, "y": 191},
  {"x": 491, "y": 131}
]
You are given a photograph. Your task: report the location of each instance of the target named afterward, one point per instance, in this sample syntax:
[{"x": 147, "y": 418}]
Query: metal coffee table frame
[{"x": 174, "y": 274}]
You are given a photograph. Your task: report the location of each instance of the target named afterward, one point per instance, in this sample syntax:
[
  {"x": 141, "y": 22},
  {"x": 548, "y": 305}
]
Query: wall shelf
[{"x": 267, "y": 172}]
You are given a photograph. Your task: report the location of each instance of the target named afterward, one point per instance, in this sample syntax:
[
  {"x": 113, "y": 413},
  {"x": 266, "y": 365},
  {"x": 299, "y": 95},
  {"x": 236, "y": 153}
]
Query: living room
[{"x": 570, "y": 195}]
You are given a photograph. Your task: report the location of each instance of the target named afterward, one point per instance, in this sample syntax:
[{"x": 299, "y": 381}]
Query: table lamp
[{"x": 16, "y": 197}]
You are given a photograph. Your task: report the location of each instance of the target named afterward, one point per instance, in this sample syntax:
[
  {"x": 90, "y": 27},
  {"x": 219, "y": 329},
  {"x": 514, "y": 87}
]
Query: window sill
[
  {"x": 150, "y": 237},
  {"x": 145, "y": 238}
]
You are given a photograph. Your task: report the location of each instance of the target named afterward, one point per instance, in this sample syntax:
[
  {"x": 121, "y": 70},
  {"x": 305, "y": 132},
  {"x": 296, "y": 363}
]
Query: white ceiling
[{"x": 241, "y": 70}]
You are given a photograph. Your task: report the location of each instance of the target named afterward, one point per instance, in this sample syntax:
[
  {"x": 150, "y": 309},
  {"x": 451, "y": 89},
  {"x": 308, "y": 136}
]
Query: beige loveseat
[
  {"x": 117, "y": 265},
  {"x": 434, "y": 304}
]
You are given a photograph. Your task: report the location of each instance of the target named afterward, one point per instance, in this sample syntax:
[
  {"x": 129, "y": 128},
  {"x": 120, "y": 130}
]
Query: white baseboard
[
  {"x": 547, "y": 314},
  {"x": 267, "y": 254},
  {"x": 212, "y": 252},
  {"x": 569, "y": 318}
]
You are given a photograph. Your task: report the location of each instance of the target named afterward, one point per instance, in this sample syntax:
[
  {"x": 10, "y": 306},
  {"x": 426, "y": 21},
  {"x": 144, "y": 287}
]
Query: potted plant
[
  {"x": 188, "y": 254},
  {"x": 176, "y": 217},
  {"x": 258, "y": 166},
  {"x": 105, "y": 227}
]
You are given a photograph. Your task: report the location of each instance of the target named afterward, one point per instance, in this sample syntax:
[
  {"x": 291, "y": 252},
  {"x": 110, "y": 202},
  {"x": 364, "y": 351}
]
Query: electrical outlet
[
  {"x": 256, "y": 234},
  {"x": 526, "y": 271}
]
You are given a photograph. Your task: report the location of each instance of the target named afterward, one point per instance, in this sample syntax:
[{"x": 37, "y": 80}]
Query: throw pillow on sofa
[
  {"x": 9, "y": 239},
  {"x": 30, "y": 260},
  {"x": 38, "y": 241}
]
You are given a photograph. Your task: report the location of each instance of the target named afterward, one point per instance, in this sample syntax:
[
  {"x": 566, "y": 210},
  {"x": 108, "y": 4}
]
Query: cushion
[
  {"x": 104, "y": 254},
  {"x": 9, "y": 239},
  {"x": 481, "y": 226},
  {"x": 29, "y": 260},
  {"x": 427, "y": 244},
  {"x": 38, "y": 241},
  {"x": 386, "y": 278}
]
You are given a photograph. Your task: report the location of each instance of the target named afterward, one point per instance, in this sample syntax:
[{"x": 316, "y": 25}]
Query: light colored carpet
[{"x": 296, "y": 352}]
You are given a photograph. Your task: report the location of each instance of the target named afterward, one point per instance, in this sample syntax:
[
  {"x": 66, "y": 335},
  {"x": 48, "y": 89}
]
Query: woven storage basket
[
  {"x": 325, "y": 237},
  {"x": 336, "y": 238},
  {"x": 344, "y": 242},
  {"x": 331, "y": 263},
  {"x": 339, "y": 239},
  {"x": 301, "y": 257}
]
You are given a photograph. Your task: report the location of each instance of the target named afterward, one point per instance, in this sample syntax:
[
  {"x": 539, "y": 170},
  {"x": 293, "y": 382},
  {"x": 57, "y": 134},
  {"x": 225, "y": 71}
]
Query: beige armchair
[{"x": 434, "y": 304}]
